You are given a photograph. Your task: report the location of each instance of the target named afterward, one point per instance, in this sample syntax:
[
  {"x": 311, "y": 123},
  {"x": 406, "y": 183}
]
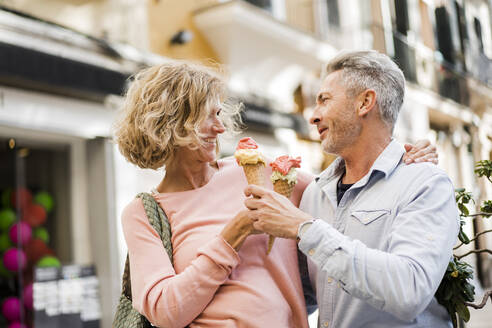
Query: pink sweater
[{"x": 210, "y": 284}]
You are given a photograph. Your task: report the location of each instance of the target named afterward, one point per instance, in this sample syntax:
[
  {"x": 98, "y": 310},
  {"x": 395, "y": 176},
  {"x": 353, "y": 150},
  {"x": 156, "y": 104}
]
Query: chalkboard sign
[{"x": 66, "y": 297}]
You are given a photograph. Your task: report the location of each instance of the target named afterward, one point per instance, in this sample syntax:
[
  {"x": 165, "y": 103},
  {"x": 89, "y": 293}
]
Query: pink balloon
[
  {"x": 11, "y": 309},
  {"x": 17, "y": 325},
  {"x": 27, "y": 295},
  {"x": 14, "y": 259},
  {"x": 22, "y": 230}
]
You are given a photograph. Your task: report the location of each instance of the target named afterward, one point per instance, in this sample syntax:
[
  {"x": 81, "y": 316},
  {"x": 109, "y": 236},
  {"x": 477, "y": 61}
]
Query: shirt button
[
  {"x": 311, "y": 252},
  {"x": 326, "y": 324},
  {"x": 329, "y": 280}
]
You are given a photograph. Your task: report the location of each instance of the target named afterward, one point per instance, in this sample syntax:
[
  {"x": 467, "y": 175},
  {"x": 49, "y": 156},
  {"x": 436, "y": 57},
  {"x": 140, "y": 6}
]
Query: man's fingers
[{"x": 255, "y": 191}]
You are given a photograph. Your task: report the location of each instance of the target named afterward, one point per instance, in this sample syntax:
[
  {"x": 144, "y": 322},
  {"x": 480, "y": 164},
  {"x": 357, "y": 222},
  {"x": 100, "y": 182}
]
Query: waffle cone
[
  {"x": 255, "y": 173},
  {"x": 284, "y": 188}
]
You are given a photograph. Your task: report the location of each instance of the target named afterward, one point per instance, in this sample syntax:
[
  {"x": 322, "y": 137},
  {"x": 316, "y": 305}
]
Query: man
[{"x": 378, "y": 234}]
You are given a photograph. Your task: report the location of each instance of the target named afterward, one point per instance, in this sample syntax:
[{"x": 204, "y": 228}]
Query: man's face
[{"x": 335, "y": 115}]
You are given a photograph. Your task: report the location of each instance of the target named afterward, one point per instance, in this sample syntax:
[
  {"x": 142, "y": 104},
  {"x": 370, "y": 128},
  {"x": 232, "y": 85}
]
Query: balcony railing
[{"x": 429, "y": 69}]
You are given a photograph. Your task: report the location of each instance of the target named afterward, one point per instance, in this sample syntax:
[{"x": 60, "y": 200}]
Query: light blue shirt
[{"x": 377, "y": 258}]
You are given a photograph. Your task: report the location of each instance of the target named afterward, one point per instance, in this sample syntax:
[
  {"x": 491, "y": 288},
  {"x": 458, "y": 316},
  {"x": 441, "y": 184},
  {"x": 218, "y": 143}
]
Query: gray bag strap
[
  {"x": 158, "y": 220},
  {"x": 126, "y": 316}
]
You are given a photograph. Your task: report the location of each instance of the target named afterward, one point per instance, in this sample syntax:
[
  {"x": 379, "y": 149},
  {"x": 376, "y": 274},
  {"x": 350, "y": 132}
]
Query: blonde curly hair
[{"x": 163, "y": 109}]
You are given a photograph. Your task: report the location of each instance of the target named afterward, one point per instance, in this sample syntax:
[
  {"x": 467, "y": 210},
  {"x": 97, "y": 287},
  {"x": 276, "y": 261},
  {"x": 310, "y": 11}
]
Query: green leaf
[
  {"x": 463, "y": 237},
  {"x": 463, "y": 196},
  {"x": 448, "y": 293},
  {"x": 463, "y": 311},
  {"x": 486, "y": 208},
  {"x": 483, "y": 168},
  {"x": 469, "y": 291},
  {"x": 455, "y": 288},
  {"x": 463, "y": 209},
  {"x": 467, "y": 270},
  {"x": 457, "y": 293}
]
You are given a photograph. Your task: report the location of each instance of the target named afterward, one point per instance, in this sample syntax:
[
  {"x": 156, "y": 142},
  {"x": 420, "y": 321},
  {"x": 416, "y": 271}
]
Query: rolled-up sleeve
[{"x": 404, "y": 277}]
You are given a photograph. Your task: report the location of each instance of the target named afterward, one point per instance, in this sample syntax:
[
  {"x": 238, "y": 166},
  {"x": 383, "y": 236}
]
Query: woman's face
[{"x": 210, "y": 128}]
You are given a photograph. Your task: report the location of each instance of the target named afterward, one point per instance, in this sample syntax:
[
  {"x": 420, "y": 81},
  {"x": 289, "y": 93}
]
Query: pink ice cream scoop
[
  {"x": 247, "y": 143},
  {"x": 283, "y": 164}
]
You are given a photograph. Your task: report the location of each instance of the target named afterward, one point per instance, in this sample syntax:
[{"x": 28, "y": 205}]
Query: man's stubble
[{"x": 343, "y": 132}]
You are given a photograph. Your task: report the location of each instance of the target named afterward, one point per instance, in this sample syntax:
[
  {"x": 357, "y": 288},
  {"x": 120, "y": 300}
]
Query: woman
[{"x": 221, "y": 275}]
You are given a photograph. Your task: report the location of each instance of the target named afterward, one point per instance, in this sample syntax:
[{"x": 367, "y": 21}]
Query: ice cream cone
[
  {"x": 284, "y": 179},
  {"x": 249, "y": 157},
  {"x": 284, "y": 188},
  {"x": 254, "y": 173}
]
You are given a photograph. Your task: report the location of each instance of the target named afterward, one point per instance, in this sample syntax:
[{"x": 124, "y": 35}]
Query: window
[
  {"x": 444, "y": 39},
  {"x": 333, "y": 13},
  {"x": 478, "y": 31},
  {"x": 264, "y": 4},
  {"x": 401, "y": 13}
]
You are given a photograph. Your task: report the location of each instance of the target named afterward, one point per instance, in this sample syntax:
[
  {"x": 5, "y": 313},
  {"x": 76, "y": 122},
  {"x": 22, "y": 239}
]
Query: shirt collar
[
  {"x": 386, "y": 163},
  {"x": 335, "y": 169}
]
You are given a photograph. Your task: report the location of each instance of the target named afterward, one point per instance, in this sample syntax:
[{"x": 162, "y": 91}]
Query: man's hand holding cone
[
  {"x": 284, "y": 179},
  {"x": 284, "y": 175}
]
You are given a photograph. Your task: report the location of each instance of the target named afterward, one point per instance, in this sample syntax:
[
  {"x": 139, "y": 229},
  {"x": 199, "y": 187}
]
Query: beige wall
[
  {"x": 117, "y": 20},
  {"x": 377, "y": 23},
  {"x": 79, "y": 15},
  {"x": 166, "y": 17},
  {"x": 299, "y": 13}
]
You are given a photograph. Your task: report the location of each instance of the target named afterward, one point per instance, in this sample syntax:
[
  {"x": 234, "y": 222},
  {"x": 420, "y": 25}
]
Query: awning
[
  {"x": 40, "y": 55},
  {"x": 265, "y": 57},
  {"x": 41, "y": 111}
]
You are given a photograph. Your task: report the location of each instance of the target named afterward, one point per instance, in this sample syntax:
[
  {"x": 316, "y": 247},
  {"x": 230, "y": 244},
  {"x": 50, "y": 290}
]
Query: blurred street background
[{"x": 64, "y": 65}]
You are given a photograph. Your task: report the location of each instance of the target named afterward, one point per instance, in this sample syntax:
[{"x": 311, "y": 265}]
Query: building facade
[{"x": 273, "y": 52}]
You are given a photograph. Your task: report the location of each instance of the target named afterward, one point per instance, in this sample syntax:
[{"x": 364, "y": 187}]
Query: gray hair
[{"x": 362, "y": 70}]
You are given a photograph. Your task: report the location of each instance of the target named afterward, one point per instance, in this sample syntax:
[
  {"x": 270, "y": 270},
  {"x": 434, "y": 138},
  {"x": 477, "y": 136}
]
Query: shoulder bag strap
[{"x": 158, "y": 220}]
